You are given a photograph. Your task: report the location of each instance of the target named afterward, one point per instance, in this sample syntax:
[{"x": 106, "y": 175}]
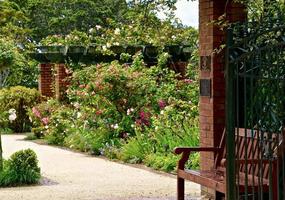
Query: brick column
[
  {"x": 46, "y": 80},
  {"x": 61, "y": 82},
  {"x": 212, "y": 103}
]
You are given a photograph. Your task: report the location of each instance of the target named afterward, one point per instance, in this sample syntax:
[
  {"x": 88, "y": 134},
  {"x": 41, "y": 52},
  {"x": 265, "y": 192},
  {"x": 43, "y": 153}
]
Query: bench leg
[
  {"x": 180, "y": 188},
  {"x": 219, "y": 196}
]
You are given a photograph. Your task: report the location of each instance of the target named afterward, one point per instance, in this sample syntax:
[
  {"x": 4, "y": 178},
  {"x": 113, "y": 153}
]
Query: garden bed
[{"x": 130, "y": 113}]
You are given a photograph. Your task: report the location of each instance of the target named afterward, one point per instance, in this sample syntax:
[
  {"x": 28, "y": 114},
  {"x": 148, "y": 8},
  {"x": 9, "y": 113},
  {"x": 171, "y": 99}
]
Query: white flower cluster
[
  {"x": 115, "y": 126},
  {"x": 129, "y": 111},
  {"x": 76, "y": 105},
  {"x": 12, "y": 114},
  {"x": 117, "y": 31}
]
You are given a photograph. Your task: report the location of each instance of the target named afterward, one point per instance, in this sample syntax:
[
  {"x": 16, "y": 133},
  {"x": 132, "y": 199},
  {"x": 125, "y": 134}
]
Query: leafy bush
[
  {"x": 40, "y": 113},
  {"x": 20, "y": 99},
  {"x": 136, "y": 148},
  {"x": 59, "y": 125},
  {"x": 7, "y": 52},
  {"x": 4, "y": 123},
  {"x": 15, "y": 66},
  {"x": 22, "y": 168},
  {"x": 31, "y": 136}
]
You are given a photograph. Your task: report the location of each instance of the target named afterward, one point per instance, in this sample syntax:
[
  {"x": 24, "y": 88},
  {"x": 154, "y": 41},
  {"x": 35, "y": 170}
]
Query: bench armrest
[
  {"x": 186, "y": 151},
  {"x": 179, "y": 150}
]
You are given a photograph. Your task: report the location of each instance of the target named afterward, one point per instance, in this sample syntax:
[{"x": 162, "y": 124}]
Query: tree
[
  {"x": 12, "y": 21},
  {"x": 59, "y": 17}
]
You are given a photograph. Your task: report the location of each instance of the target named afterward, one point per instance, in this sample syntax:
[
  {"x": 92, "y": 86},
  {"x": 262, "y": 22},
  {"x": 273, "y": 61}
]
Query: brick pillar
[
  {"x": 46, "y": 80},
  {"x": 61, "y": 82},
  {"x": 212, "y": 103}
]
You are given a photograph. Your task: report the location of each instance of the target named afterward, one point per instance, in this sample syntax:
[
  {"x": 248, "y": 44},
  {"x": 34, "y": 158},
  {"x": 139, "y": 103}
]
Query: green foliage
[
  {"x": 4, "y": 122},
  {"x": 20, "y": 99},
  {"x": 21, "y": 169},
  {"x": 136, "y": 148},
  {"x": 74, "y": 38},
  {"x": 15, "y": 68},
  {"x": 12, "y": 20},
  {"x": 31, "y": 136},
  {"x": 59, "y": 125},
  {"x": 88, "y": 140},
  {"x": 263, "y": 34},
  {"x": 158, "y": 33},
  {"x": 55, "y": 17},
  {"x": 161, "y": 162},
  {"x": 40, "y": 114},
  {"x": 7, "y": 52}
]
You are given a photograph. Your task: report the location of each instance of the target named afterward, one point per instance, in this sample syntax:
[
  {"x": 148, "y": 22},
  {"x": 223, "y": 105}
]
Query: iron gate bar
[{"x": 230, "y": 130}]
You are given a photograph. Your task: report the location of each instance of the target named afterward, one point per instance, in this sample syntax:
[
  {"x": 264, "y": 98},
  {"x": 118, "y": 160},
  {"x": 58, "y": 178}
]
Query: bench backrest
[{"x": 253, "y": 145}]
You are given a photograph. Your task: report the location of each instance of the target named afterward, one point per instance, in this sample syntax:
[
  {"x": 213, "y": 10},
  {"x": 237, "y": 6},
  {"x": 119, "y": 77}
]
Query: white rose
[
  {"x": 12, "y": 117},
  {"x": 12, "y": 111},
  {"x": 79, "y": 114},
  {"x": 91, "y": 30},
  {"x": 117, "y": 31},
  {"x": 116, "y": 126},
  {"x": 76, "y": 105}
]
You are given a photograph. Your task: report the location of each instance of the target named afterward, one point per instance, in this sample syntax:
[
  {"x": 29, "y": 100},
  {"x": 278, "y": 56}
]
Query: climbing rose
[
  {"x": 188, "y": 81},
  {"x": 12, "y": 117},
  {"x": 161, "y": 104},
  {"x": 45, "y": 120},
  {"x": 36, "y": 112}
]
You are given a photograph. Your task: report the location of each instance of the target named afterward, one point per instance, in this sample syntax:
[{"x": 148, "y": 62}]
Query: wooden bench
[{"x": 215, "y": 178}]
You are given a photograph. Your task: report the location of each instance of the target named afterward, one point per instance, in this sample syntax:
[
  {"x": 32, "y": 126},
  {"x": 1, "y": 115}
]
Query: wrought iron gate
[{"x": 255, "y": 110}]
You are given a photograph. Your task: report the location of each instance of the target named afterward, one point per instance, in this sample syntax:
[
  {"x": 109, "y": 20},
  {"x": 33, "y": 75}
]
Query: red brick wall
[
  {"x": 61, "y": 82},
  {"x": 46, "y": 80},
  {"x": 212, "y": 109},
  {"x": 52, "y": 81}
]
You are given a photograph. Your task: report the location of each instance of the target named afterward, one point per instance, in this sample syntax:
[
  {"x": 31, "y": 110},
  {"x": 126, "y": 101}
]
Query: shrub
[
  {"x": 135, "y": 149},
  {"x": 22, "y": 168},
  {"x": 40, "y": 116},
  {"x": 161, "y": 162},
  {"x": 88, "y": 140},
  {"x": 15, "y": 67},
  {"x": 31, "y": 136},
  {"x": 4, "y": 123},
  {"x": 60, "y": 125},
  {"x": 21, "y": 99}
]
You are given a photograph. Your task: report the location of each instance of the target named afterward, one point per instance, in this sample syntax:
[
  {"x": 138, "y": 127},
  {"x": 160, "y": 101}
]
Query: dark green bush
[
  {"x": 21, "y": 169},
  {"x": 21, "y": 99}
]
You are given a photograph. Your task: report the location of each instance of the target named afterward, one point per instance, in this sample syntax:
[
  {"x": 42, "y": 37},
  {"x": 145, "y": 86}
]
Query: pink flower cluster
[
  {"x": 144, "y": 119},
  {"x": 36, "y": 112},
  {"x": 45, "y": 120},
  {"x": 161, "y": 104},
  {"x": 188, "y": 81}
]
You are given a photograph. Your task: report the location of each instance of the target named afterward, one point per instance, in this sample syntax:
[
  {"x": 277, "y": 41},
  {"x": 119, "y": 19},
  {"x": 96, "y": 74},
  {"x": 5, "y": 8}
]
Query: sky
[{"x": 188, "y": 11}]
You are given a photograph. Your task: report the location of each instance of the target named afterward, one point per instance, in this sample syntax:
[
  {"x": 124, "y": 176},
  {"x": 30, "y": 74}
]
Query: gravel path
[{"x": 75, "y": 176}]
